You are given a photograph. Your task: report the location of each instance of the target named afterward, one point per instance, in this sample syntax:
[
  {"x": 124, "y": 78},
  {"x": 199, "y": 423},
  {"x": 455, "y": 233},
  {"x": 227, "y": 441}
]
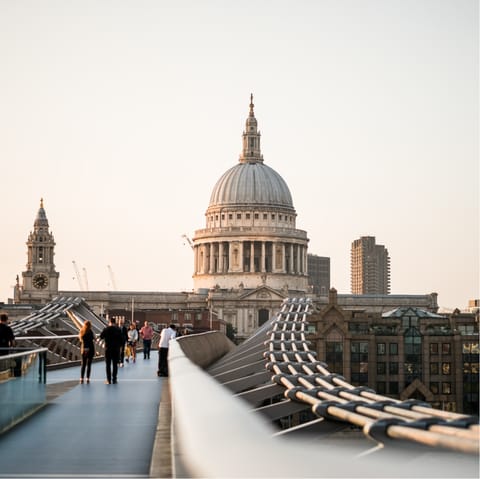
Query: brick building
[{"x": 407, "y": 352}]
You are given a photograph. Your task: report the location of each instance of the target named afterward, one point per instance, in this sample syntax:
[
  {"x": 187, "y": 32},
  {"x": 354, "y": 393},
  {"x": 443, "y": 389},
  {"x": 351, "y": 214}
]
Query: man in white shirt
[{"x": 165, "y": 336}]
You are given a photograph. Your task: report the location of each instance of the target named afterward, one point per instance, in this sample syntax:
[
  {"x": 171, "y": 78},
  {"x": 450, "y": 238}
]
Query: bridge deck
[{"x": 91, "y": 430}]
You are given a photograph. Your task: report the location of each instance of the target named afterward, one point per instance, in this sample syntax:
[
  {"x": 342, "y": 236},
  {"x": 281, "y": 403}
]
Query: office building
[
  {"x": 318, "y": 274},
  {"x": 370, "y": 267}
]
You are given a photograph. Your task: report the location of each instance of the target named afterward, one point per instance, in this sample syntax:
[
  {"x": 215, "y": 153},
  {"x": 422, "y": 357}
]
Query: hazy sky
[{"x": 122, "y": 115}]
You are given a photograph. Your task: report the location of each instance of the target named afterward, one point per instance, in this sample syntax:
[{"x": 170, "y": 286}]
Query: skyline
[{"x": 122, "y": 116}]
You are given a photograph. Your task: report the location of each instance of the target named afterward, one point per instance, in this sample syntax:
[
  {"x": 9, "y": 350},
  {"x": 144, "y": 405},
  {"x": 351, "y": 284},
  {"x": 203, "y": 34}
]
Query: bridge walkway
[{"x": 91, "y": 430}]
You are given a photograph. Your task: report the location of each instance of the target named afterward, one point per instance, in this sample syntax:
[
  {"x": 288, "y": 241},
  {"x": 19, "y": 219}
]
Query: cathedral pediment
[{"x": 263, "y": 292}]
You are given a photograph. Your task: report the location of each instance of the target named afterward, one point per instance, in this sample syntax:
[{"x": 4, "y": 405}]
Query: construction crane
[
  {"x": 79, "y": 278},
  {"x": 85, "y": 278},
  {"x": 112, "y": 278},
  {"x": 189, "y": 240}
]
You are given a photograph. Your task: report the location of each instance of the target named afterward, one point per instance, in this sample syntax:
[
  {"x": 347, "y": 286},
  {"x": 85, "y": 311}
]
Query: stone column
[
  {"x": 305, "y": 262},
  {"x": 220, "y": 258},
  {"x": 299, "y": 259},
  {"x": 262, "y": 261},
  {"x": 240, "y": 255},
  {"x": 205, "y": 256},
  {"x": 292, "y": 262},
  {"x": 252, "y": 256},
  {"x": 212, "y": 258}
]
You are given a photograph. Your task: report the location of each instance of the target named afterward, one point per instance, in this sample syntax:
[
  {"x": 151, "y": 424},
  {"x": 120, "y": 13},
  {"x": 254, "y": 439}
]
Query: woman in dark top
[{"x": 87, "y": 340}]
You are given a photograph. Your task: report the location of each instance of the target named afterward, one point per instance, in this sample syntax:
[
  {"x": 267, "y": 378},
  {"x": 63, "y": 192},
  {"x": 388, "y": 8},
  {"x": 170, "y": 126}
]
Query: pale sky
[{"x": 122, "y": 115}]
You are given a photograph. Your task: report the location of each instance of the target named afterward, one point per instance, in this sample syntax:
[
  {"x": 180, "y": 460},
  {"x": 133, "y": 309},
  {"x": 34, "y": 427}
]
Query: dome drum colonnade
[{"x": 250, "y": 236}]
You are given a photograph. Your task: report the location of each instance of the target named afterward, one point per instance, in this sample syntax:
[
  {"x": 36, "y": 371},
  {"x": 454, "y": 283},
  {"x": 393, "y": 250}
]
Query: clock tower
[{"x": 40, "y": 280}]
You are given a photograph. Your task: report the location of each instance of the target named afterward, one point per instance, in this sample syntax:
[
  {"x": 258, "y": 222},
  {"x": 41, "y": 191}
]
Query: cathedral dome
[
  {"x": 250, "y": 239},
  {"x": 251, "y": 183}
]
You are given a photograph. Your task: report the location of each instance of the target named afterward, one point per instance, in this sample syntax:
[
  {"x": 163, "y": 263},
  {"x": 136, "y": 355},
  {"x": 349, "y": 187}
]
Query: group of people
[
  {"x": 120, "y": 345},
  {"x": 119, "y": 340}
]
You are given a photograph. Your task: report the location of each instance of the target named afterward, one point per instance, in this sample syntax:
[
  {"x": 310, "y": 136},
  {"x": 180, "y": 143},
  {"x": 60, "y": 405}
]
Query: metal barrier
[
  {"x": 22, "y": 385},
  {"x": 217, "y": 433},
  {"x": 330, "y": 396}
]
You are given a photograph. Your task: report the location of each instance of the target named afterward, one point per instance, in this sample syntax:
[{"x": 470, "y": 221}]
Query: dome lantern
[{"x": 251, "y": 139}]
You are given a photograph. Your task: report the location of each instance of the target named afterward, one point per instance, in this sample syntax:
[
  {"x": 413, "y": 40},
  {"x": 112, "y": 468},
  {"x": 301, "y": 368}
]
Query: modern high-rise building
[
  {"x": 370, "y": 267},
  {"x": 318, "y": 274}
]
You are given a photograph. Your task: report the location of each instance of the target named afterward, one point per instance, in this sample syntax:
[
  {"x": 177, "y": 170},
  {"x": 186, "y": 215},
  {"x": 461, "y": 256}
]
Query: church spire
[
  {"x": 251, "y": 139},
  {"x": 41, "y": 220}
]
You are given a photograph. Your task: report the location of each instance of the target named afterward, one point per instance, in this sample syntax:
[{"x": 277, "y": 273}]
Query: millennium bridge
[{"x": 264, "y": 408}]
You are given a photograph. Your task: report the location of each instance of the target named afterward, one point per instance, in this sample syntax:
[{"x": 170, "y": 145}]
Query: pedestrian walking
[
  {"x": 7, "y": 338},
  {"x": 87, "y": 349},
  {"x": 112, "y": 335},
  {"x": 124, "y": 331},
  {"x": 166, "y": 336},
  {"x": 147, "y": 334},
  {"x": 132, "y": 340}
]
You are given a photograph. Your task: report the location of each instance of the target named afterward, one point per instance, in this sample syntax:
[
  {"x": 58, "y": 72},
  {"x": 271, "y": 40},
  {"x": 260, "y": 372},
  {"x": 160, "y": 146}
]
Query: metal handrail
[{"x": 244, "y": 444}]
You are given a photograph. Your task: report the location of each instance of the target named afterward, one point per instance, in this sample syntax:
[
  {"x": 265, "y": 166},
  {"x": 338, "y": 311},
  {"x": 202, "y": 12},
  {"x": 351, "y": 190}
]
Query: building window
[
  {"x": 413, "y": 354},
  {"x": 409, "y": 322},
  {"x": 446, "y": 388},
  {"x": 433, "y": 348},
  {"x": 230, "y": 216},
  {"x": 256, "y": 216},
  {"x": 247, "y": 216},
  {"x": 393, "y": 349},
  {"x": 381, "y": 387},
  {"x": 280, "y": 217},
  {"x": 175, "y": 317},
  {"x": 445, "y": 348},
  {"x": 380, "y": 349},
  {"x": 359, "y": 362},
  {"x": 273, "y": 217},
  {"x": 393, "y": 387},
  {"x": 265, "y": 216},
  {"x": 223, "y": 217},
  {"x": 466, "y": 329},
  {"x": 381, "y": 368},
  {"x": 187, "y": 317},
  {"x": 334, "y": 356},
  {"x": 434, "y": 368},
  {"x": 198, "y": 316},
  {"x": 434, "y": 388},
  {"x": 470, "y": 359},
  {"x": 358, "y": 328},
  {"x": 239, "y": 216},
  {"x": 393, "y": 368},
  {"x": 446, "y": 368}
]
